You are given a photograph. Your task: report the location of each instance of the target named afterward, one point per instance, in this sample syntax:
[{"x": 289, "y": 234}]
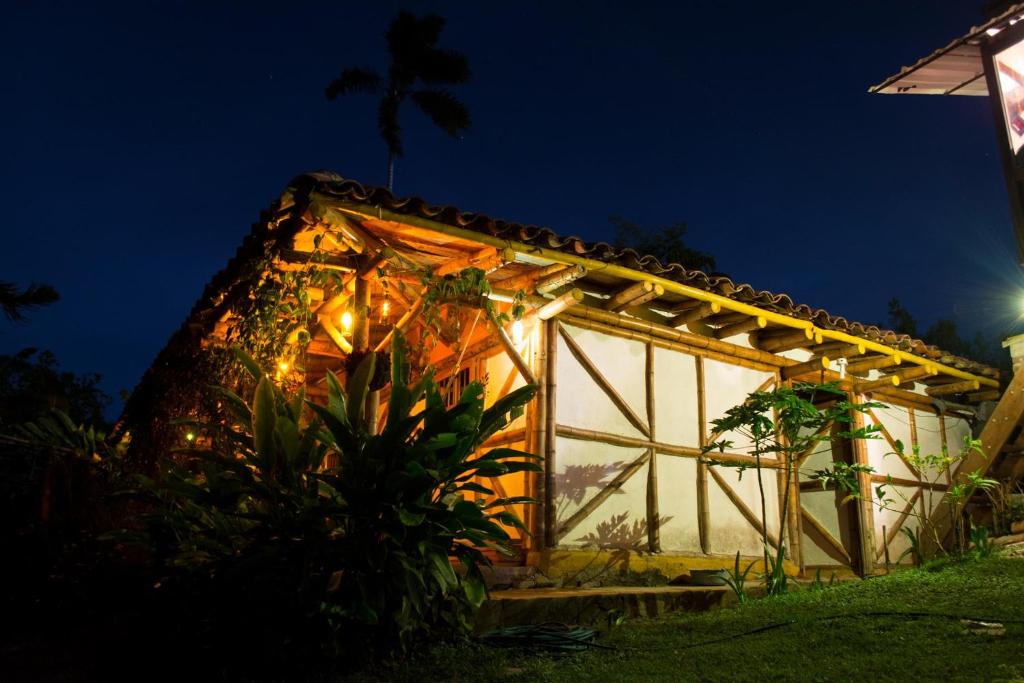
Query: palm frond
[
  {"x": 447, "y": 112},
  {"x": 353, "y": 81},
  {"x": 443, "y": 67},
  {"x": 410, "y": 36},
  {"x": 14, "y": 303}
]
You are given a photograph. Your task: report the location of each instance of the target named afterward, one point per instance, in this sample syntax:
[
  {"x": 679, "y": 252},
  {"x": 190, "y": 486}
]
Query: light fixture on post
[{"x": 346, "y": 321}]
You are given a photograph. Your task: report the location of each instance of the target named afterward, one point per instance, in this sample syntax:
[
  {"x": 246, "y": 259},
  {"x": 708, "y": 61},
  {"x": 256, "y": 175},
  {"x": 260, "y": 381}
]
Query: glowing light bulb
[
  {"x": 385, "y": 308},
  {"x": 517, "y": 331},
  {"x": 346, "y": 320},
  {"x": 283, "y": 366},
  {"x": 190, "y": 437}
]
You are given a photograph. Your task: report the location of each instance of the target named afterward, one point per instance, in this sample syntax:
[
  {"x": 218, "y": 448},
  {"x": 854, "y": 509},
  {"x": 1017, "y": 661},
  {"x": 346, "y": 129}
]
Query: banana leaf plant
[{"x": 320, "y": 538}]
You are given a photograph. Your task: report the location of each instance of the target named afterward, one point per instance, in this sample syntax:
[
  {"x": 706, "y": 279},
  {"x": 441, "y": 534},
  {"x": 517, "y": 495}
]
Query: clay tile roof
[{"x": 332, "y": 185}]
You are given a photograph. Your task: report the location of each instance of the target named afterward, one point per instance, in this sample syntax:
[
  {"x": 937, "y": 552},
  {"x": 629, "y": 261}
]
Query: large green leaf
[
  {"x": 359, "y": 386},
  {"x": 264, "y": 415}
]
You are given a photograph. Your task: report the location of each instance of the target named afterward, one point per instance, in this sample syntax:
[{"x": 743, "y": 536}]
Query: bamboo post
[
  {"x": 703, "y": 512},
  {"x": 865, "y": 508},
  {"x": 512, "y": 351},
  {"x": 535, "y": 439},
  {"x": 551, "y": 341},
  {"x": 885, "y": 546},
  {"x": 653, "y": 514}
]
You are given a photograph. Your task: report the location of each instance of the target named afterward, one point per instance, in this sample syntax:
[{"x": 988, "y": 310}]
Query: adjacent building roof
[{"x": 955, "y": 69}]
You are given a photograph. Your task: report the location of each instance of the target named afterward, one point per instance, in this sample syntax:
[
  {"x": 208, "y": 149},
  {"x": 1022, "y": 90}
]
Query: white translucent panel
[
  {"x": 819, "y": 459},
  {"x": 727, "y": 386},
  {"x": 814, "y": 555},
  {"x": 497, "y": 369},
  {"x": 623, "y": 362},
  {"x": 730, "y": 530},
  {"x": 822, "y": 506},
  {"x": 583, "y": 469},
  {"x": 880, "y": 453},
  {"x": 929, "y": 439},
  {"x": 896, "y": 421},
  {"x": 886, "y": 518},
  {"x": 957, "y": 429},
  {"x": 675, "y": 398},
  {"x": 677, "y": 504},
  {"x": 580, "y": 402}
]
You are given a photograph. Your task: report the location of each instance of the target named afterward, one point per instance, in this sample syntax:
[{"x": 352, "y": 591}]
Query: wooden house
[{"x": 633, "y": 360}]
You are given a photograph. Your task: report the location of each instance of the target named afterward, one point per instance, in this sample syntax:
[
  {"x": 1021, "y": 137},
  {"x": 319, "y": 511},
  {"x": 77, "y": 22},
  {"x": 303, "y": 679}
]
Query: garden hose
[{"x": 552, "y": 637}]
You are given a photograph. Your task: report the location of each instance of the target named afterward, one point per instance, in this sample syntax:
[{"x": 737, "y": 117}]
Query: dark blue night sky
[{"x": 141, "y": 140}]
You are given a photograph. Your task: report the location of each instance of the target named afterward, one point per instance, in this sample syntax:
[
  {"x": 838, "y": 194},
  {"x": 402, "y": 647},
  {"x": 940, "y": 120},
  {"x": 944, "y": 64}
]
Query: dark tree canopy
[
  {"x": 31, "y": 383},
  {"x": 665, "y": 243},
  {"x": 416, "y": 61},
  {"x": 945, "y": 335}
]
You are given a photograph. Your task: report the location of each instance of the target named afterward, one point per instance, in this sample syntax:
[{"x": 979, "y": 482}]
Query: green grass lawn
[{"x": 851, "y": 646}]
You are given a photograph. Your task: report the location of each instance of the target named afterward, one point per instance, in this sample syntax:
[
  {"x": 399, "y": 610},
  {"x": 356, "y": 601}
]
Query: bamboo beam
[
  {"x": 633, "y": 295},
  {"x": 361, "y": 316},
  {"x": 953, "y": 388},
  {"x": 747, "y": 513},
  {"x": 885, "y": 382},
  {"x": 581, "y": 434},
  {"x": 335, "y": 334},
  {"x": 381, "y": 215},
  {"x": 536, "y": 444},
  {"x": 723, "y": 319},
  {"x": 482, "y": 258},
  {"x": 837, "y": 350},
  {"x": 560, "y": 304},
  {"x": 614, "y": 485},
  {"x": 911, "y": 375},
  {"x": 807, "y": 367},
  {"x": 657, "y": 330},
  {"x": 702, "y": 311},
  {"x": 402, "y": 323},
  {"x": 984, "y": 396},
  {"x": 653, "y": 513},
  {"x": 859, "y": 367},
  {"x": 511, "y": 350},
  {"x": 775, "y": 342},
  {"x": 622, "y": 333},
  {"x": 370, "y": 265},
  {"x": 605, "y": 386},
  {"x": 561, "y": 278},
  {"x": 748, "y": 325}
]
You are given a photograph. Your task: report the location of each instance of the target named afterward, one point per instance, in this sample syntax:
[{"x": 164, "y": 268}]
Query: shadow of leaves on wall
[
  {"x": 617, "y": 533},
  {"x": 572, "y": 484}
]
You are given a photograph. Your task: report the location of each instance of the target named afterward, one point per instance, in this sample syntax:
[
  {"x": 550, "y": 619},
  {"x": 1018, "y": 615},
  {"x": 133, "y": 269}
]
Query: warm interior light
[
  {"x": 346, "y": 320},
  {"x": 283, "y": 366},
  {"x": 190, "y": 437},
  {"x": 517, "y": 331},
  {"x": 385, "y": 308}
]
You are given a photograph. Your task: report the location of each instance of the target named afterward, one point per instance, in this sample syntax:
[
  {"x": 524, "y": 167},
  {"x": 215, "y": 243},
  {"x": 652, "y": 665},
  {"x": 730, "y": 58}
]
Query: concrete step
[{"x": 594, "y": 606}]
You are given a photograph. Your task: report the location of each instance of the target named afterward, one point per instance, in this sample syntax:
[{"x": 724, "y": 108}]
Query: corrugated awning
[{"x": 955, "y": 69}]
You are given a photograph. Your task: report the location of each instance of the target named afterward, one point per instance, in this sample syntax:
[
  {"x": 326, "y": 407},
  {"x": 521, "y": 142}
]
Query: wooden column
[
  {"x": 535, "y": 440},
  {"x": 865, "y": 504},
  {"x": 703, "y": 513},
  {"x": 653, "y": 514},
  {"x": 551, "y": 342},
  {"x": 361, "y": 343}
]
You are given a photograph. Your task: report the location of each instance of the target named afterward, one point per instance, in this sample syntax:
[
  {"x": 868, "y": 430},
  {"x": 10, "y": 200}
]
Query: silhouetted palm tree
[
  {"x": 415, "y": 61},
  {"x": 14, "y": 303}
]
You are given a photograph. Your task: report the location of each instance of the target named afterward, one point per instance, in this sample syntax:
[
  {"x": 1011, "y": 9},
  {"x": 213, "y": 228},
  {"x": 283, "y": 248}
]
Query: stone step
[{"x": 594, "y": 606}]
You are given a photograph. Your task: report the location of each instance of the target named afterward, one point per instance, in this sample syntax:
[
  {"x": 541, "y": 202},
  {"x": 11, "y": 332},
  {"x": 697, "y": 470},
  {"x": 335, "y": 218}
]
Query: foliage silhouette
[{"x": 417, "y": 68}]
